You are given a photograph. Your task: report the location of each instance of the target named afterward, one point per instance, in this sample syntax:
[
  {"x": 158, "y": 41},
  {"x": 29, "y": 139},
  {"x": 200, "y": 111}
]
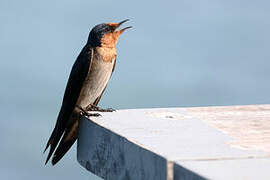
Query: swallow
[{"x": 87, "y": 81}]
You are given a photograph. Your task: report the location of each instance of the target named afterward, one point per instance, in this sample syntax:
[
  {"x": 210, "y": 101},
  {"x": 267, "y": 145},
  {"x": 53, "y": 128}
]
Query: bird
[{"x": 86, "y": 83}]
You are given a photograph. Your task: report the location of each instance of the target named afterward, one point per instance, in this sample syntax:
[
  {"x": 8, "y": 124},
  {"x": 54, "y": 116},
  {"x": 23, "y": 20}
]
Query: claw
[
  {"x": 96, "y": 108},
  {"x": 94, "y": 114},
  {"x": 87, "y": 114},
  {"x": 109, "y": 110}
]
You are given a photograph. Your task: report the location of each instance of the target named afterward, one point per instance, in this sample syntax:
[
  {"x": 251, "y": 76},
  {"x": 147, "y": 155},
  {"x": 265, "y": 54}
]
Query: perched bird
[{"x": 87, "y": 81}]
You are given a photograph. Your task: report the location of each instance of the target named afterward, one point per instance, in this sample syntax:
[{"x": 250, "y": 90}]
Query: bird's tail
[
  {"x": 70, "y": 136},
  {"x": 53, "y": 141},
  {"x": 55, "y": 136}
]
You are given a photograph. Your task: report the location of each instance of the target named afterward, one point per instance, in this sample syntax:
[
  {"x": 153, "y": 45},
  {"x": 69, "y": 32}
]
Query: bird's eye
[{"x": 110, "y": 30}]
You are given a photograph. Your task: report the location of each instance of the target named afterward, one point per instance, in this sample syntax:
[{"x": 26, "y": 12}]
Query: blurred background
[{"x": 178, "y": 54}]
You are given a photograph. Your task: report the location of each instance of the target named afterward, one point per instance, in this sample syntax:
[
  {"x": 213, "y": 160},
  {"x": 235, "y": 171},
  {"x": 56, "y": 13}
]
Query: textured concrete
[{"x": 178, "y": 143}]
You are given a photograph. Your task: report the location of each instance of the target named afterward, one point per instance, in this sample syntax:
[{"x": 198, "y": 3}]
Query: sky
[{"x": 178, "y": 54}]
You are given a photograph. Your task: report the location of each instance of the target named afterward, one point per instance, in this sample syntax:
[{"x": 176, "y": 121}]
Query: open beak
[{"x": 114, "y": 26}]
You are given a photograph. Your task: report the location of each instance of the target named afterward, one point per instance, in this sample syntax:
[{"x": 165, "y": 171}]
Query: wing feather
[{"x": 75, "y": 82}]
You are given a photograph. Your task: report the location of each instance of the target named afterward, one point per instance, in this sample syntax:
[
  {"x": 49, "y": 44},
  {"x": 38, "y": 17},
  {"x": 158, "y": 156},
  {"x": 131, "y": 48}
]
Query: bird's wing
[
  {"x": 71, "y": 133},
  {"x": 75, "y": 82},
  {"x": 99, "y": 97}
]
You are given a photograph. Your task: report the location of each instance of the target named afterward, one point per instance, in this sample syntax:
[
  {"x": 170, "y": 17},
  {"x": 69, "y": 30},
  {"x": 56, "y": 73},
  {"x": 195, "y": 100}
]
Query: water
[{"x": 179, "y": 53}]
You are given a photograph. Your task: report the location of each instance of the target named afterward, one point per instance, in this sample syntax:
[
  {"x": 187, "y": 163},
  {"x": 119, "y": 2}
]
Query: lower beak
[{"x": 122, "y": 30}]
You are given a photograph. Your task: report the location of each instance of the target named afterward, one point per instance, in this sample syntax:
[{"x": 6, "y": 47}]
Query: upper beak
[{"x": 116, "y": 25}]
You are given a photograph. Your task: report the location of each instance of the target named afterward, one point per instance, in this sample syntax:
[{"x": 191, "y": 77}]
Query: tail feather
[
  {"x": 70, "y": 131},
  {"x": 52, "y": 142},
  {"x": 48, "y": 144},
  {"x": 50, "y": 154},
  {"x": 66, "y": 142},
  {"x": 56, "y": 134}
]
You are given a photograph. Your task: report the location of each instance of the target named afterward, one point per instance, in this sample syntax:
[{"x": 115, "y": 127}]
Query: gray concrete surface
[{"x": 178, "y": 143}]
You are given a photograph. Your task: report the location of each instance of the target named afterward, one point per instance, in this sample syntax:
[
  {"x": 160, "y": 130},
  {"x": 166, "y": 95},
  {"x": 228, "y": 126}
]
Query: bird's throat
[{"x": 107, "y": 53}]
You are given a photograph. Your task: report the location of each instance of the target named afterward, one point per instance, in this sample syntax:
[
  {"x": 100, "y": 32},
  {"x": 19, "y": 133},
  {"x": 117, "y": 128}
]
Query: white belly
[{"x": 95, "y": 82}]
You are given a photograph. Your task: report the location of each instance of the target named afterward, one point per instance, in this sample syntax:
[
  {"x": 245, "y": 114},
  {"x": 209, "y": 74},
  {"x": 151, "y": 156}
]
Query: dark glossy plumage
[{"x": 73, "y": 88}]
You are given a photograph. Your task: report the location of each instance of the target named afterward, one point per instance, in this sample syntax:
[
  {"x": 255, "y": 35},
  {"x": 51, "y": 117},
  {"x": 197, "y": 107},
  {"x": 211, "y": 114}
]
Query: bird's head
[{"x": 106, "y": 34}]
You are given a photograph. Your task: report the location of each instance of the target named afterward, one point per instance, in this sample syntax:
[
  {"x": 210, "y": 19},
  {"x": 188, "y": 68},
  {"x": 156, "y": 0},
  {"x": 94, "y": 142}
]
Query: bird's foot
[
  {"x": 96, "y": 108},
  {"x": 93, "y": 114},
  {"x": 106, "y": 110},
  {"x": 86, "y": 113}
]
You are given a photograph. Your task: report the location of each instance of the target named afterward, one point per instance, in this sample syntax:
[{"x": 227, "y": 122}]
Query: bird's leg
[
  {"x": 92, "y": 107},
  {"x": 85, "y": 113}
]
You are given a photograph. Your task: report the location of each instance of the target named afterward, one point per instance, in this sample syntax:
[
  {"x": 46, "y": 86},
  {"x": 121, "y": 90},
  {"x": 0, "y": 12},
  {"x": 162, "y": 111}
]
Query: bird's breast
[{"x": 96, "y": 80}]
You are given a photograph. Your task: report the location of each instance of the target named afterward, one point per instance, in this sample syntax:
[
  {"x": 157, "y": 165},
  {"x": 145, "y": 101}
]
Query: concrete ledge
[
  {"x": 111, "y": 156},
  {"x": 178, "y": 143}
]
